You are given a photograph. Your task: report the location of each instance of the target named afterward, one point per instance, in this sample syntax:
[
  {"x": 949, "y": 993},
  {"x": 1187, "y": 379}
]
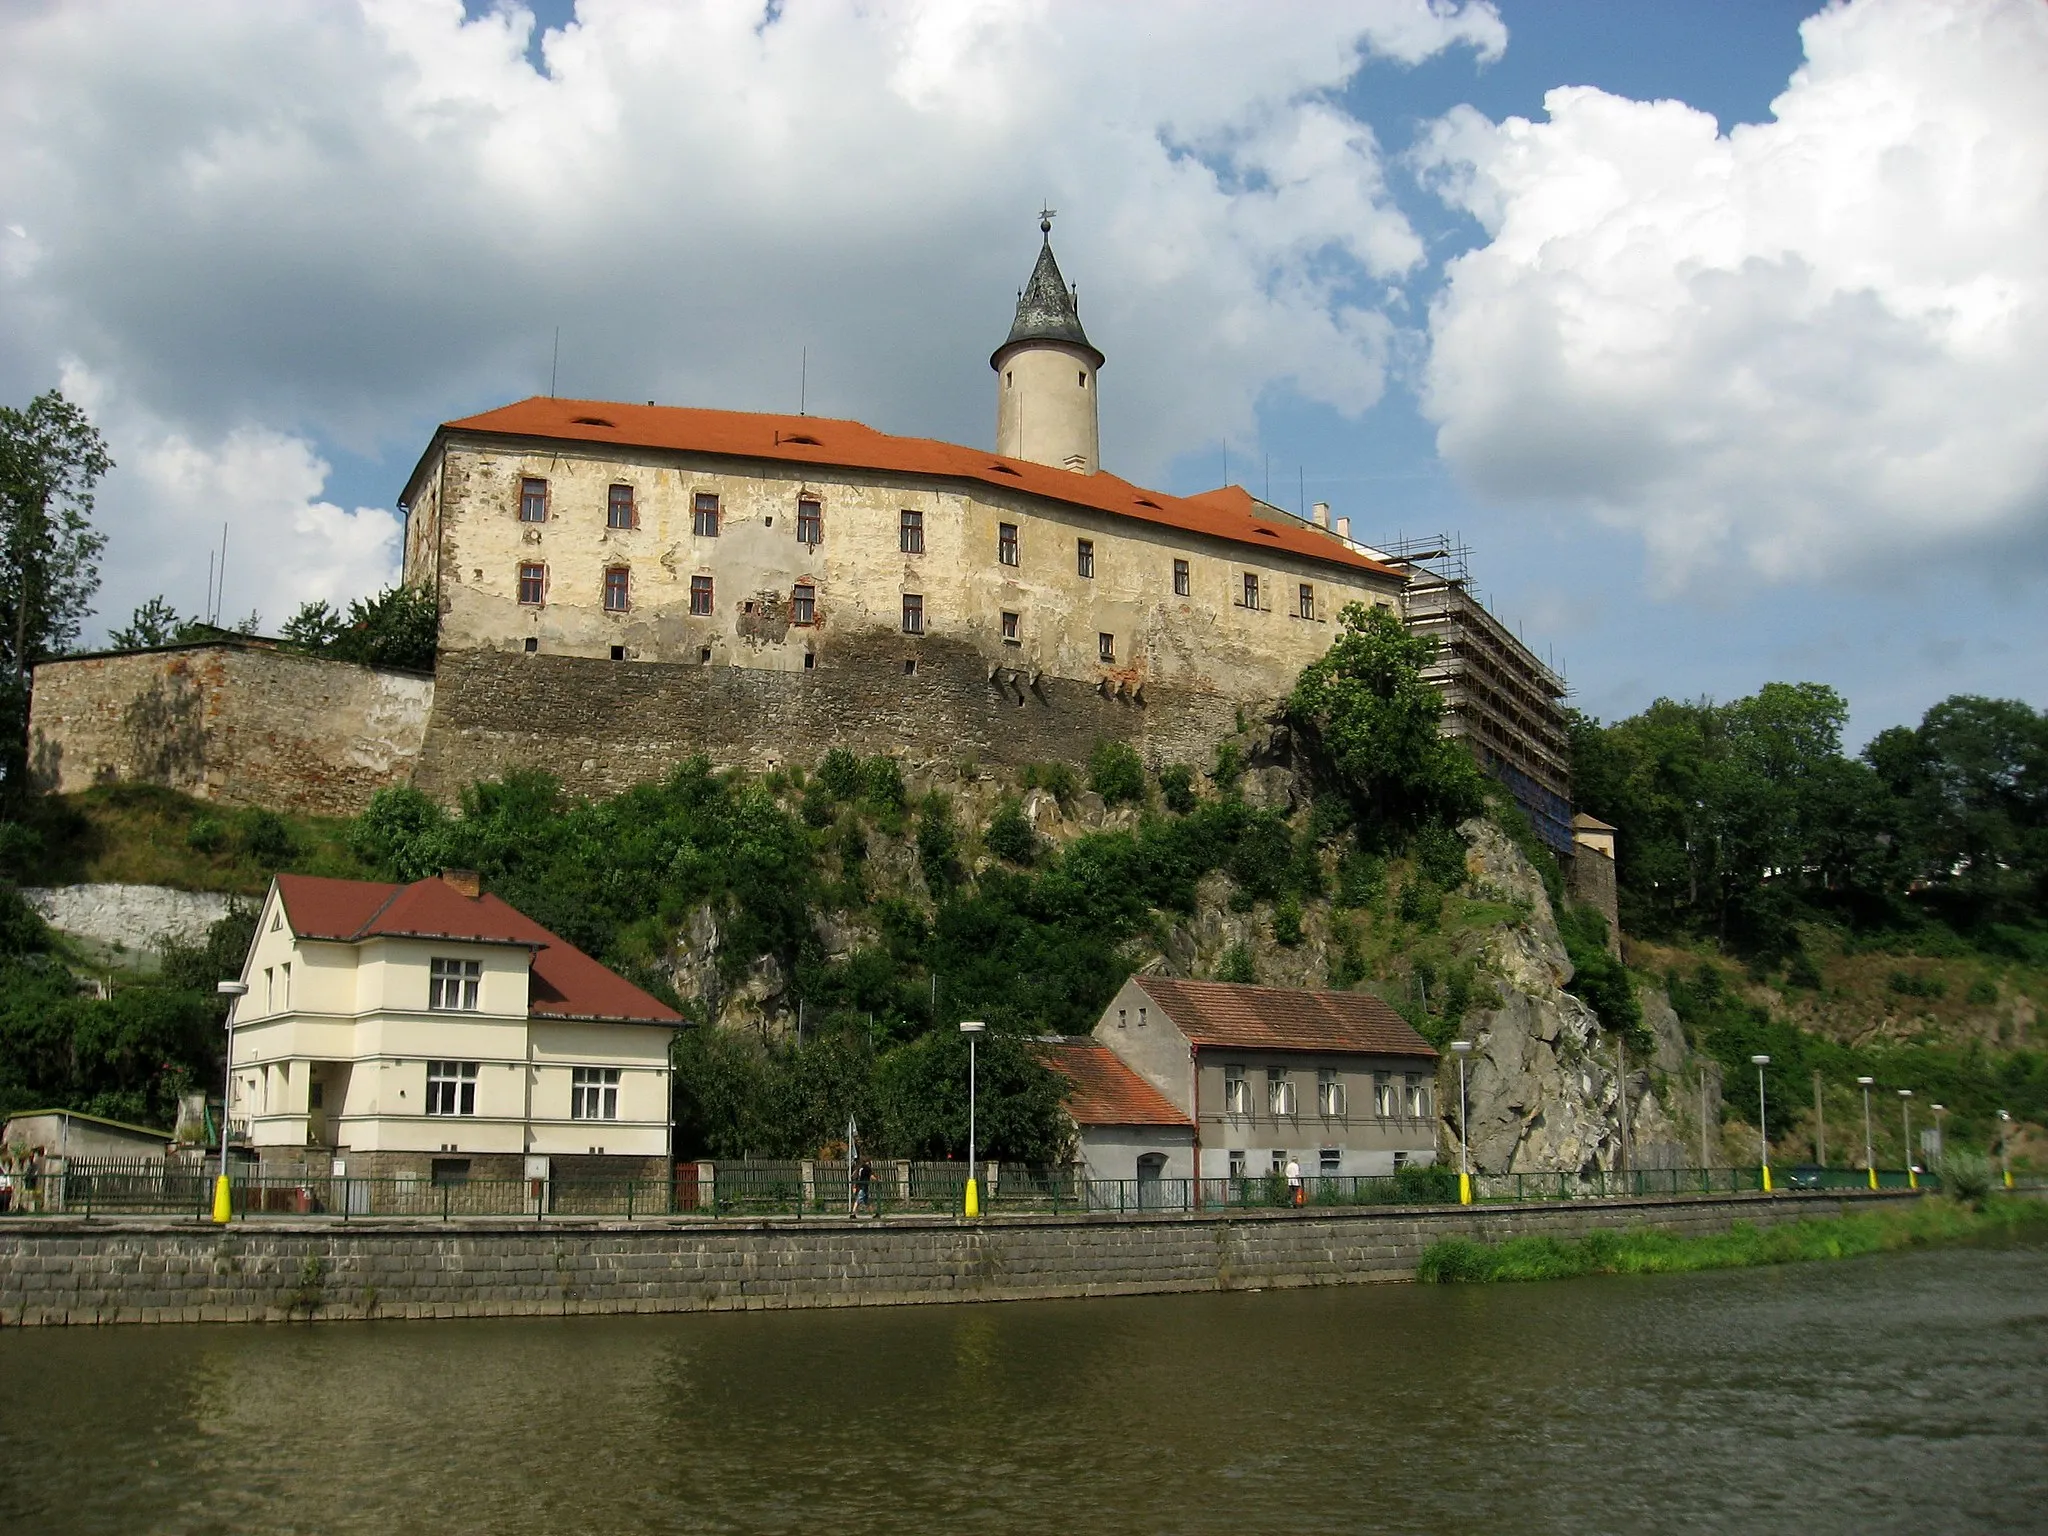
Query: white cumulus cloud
[{"x": 1801, "y": 348}]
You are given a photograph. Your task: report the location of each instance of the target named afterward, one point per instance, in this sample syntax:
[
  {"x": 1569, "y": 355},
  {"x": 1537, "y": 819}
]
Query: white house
[{"x": 430, "y": 1030}]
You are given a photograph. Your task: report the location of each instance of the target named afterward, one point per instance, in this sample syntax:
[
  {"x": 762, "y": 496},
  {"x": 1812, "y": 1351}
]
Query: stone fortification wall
[
  {"x": 111, "y": 1271},
  {"x": 237, "y": 722},
  {"x": 603, "y": 725}
]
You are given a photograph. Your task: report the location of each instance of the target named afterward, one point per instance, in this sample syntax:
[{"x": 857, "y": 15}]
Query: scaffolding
[{"x": 1501, "y": 699}]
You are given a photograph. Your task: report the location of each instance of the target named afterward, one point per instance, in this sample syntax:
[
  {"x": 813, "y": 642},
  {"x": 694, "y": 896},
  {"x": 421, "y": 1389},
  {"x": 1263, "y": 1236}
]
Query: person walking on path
[
  {"x": 863, "y": 1188},
  {"x": 1294, "y": 1190}
]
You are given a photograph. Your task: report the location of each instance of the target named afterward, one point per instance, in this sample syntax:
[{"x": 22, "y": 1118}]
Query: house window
[
  {"x": 533, "y": 583},
  {"x": 700, "y": 595},
  {"x": 1251, "y": 591},
  {"x": 285, "y": 971},
  {"x": 1305, "y": 605},
  {"x": 1010, "y": 629},
  {"x": 1006, "y": 543},
  {"x": 910, "y": 531},
  {"x": 1181, "y": 584},
  {"x": 1279, "y": 1092},
  {"x": 269, "y": 990},
  {"x": 1279, "y": 1162},
  {"x": 451, "y": 1087},
  {"x": 803, "y": 604},
  {"x": 1418, "y": 1098},
  {"x": 704, "y": 516},
  {"x": 1383, "y": 1096},
  {"x": 1105, "y": 647},
  {"x": 618, "y": 508},
  {"x": 615, "y": 589},
  {"x": 1329, "y": 1161},
  {"x": 594, "y": 1093},
  {"x": 1084, "y": 557},
  {"x": 1237, "y": 1093},
  {"x": 810, "y": 520},
  {"x": 452, "y": 985},
  {"x": 1329, "y": 1094},
  {"x": 1236, "y": 1164},
  {"x": 913, "y": 613},
  {"x": 533, "y": 500}
]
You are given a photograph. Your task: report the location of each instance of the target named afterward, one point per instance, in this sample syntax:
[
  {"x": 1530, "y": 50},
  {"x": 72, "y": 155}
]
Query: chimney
[
  {"x": 1344, "y": 529},
  {"x": 466, "y": 881},
  {"x": 1320, "y": 512}
]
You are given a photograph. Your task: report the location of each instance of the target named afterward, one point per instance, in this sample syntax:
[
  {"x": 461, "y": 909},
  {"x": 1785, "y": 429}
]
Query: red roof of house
[
  {"x": 564, "y": 983},
  {"x": 1227, "y": 513},
  {"x": 1106, "y": 1091},
  {"x": 1223, "y": 1013}
]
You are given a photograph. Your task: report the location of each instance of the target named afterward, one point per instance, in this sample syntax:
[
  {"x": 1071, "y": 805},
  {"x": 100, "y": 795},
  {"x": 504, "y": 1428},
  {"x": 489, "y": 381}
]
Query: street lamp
[
  {"x": 2005, "y": 1145},
  {"x": 1763, "y": 1126},
  {"x": 223, "y": 1198},
  {"x": 1906, "y": 1136},
  {"x": 971, "y": 1028},
  {"x": 1869, "y": 1147},
  {"x": 1461, "y": 1049},
  {"x": 1940, "y": 1144}
]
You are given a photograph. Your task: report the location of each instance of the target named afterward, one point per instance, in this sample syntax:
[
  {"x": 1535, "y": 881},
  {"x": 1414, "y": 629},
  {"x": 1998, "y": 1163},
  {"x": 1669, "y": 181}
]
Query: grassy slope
[{"x": 1460, "y": 1260}]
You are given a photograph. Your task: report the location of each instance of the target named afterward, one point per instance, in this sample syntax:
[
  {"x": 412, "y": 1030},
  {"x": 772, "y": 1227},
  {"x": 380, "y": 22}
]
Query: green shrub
[
  {"x": 1237, "y": 965},
  {"x": 881, "y": 783},
  {"x": 1115, "y": 772},
  {"x": 1983, "y": 993},
  {"x": 1966, "y": 1176},
  {"x": 1800, "y": 971},
  {"x": 1057, "y": 779},
  {"x": 1009, "y": 836},
  {"x": 1913, "y": 984},
  {"x": 206, "y": 835},
  {"x": 266, "y": 838},
  {"x": 1287, "y": 928},
  {"x": 1599, "y": 980},
  {"x": 840, "y": 774},
  {"x": 1421, "y": 902},
  {"x": 1229, "y": 765},
  {"x": 938, "y": 844},
  {"x": 1177, "y": 788},
  {"x": 1361, "y": 878},
  {"x": 1440, "y": 855}
]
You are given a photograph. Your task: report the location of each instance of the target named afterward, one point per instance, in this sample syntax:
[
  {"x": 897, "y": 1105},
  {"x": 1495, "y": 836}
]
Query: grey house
[
  {"x": 1336, "y": 1081},
  {"x": 1124, "y": 1128}
]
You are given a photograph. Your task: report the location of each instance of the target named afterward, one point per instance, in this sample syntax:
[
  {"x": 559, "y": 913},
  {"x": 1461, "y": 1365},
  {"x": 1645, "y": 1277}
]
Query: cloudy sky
[{"x": 1719, "y": 331}]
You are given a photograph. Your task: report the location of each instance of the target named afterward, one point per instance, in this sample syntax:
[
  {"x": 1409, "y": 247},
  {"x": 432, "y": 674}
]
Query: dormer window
[{"x": 453, "y": 984}]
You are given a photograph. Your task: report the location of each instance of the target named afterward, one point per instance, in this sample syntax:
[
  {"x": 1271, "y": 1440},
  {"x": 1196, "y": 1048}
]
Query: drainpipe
[{"x": 1195, "y": 1114}]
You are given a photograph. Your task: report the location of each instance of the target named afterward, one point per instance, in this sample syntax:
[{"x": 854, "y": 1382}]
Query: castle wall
[{"x": 234, "y": 722}]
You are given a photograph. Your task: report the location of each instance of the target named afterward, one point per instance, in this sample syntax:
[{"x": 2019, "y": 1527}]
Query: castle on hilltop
[{"x": 624, "y": 586}]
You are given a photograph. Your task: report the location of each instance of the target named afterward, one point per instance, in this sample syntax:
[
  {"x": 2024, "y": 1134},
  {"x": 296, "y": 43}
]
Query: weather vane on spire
[{"x": 1045, "y": 218}]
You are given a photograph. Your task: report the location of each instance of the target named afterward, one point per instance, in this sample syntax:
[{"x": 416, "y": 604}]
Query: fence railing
[{"x": 799, "y": 1190}]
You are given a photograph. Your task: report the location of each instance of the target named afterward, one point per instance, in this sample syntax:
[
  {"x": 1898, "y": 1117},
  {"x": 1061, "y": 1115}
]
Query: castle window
[
  {"x": 1105, "y": 647},
  {"x": 1006, "y": 543},
  {"x": 810, "y": 520},
  {"x": 618, "y": 508},
  {"x": 618, "y": 653},
  {"x": 1083, "y": 381},
  {"x": 615, "y": 589},
  {"x": 1180, "y": 578},
  {"x": 1307, "y": 604},
  {"x": 700, "y": 595},
  {"x": 913, "y": 613},
  {"x": 533, "y": 583},
  {"x": 1084, "y": 557},
  {"x": 810, "y": 661},
  {"x": 1009, "y": 629},
  {"x": 533, "y": 500},
  {"x": 532, "y": 644},
  {"x": 704, "y": 515},
  {"x": 803, "y": 604},
  {"x": 910, "y": 531},
  {"x": 1251, "y": 591}
]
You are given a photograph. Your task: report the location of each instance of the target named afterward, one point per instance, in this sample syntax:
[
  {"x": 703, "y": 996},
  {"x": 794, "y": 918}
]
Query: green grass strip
[{"x": 1460, "y": 1260}]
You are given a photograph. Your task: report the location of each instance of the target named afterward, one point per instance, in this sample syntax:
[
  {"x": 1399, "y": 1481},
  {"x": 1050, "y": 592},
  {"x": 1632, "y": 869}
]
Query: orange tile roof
[
  {"x": 1229, "y": 512},
  {"x": 1222, "y": 1013},
  {"x": 564, "y": 982},
  {"x": 1106, "y": 1091}
]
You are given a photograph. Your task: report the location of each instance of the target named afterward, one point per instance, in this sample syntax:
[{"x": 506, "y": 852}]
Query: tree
[
  {"x": 316, "y": 626},
  {"x": 399, "y": 627},
  {"x": 1365, "y": 707},
  {"x": 156, "y": 622},
  {"x": 51, "y": 459}
]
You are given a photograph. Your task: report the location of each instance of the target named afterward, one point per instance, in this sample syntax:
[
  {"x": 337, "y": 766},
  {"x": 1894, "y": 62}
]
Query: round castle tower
[{"x": 1045, "y": 375}]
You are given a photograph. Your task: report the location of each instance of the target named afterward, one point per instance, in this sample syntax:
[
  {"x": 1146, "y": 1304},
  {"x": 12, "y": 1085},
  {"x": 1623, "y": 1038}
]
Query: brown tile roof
[
  {"x": 565, "y": 983},
  {"x": 1222, "y": 1013},
  {"x": 1227, "y": 513},
  {"x": 1106, "y": 1091}
]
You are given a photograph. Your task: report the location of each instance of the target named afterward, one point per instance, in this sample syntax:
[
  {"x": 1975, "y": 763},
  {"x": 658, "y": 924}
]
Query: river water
[{"x": 1900, "y": 1393}]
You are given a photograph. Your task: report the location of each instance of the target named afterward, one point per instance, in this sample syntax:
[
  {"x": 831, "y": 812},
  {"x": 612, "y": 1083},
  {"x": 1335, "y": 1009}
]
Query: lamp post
[
  {"x": 1906, "y": 1136},
  {"x": 223, "y": 1197},
  {"x": 1940, "y": 1141},
  {"x": 1461, "y": 1049},
  {"x": 1763, "y": 1122},
  {"x": 971, "y": 1028},
  {"x": 1869, "y": 1147},
  {"x": 2005, "y": 1145}
]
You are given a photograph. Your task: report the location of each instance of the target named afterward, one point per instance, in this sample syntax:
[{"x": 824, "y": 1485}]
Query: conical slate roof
[{"x": 1046, "y": 312}]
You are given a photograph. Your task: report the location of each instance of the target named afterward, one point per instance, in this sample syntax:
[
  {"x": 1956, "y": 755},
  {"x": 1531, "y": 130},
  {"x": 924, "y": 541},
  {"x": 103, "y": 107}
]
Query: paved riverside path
[{"x": 70, "y": 1270}]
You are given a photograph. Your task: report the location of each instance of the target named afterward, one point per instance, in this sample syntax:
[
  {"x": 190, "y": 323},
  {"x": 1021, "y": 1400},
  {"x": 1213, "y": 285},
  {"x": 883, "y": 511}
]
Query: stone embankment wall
[
  {"x": 240, "y": 722},
  {"x": 120, "y": 1271}
]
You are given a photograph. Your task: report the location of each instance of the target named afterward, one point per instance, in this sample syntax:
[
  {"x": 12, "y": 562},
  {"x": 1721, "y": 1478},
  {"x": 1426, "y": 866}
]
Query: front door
[{"x": 1151, "y": 1168}]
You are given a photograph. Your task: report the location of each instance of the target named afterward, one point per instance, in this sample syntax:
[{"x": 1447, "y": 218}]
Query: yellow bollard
[
  {"x": 1873, "y": 1175},
  {"x": 1912, "y": 1177},
  {"x": 2008, "y": 1178},
  {"x": 973, "y": 1197},
  {"x": 1464, "y": 1188},
  {"x": 223, "y": 1202},
  {"x": 1767, "y": 1178}
]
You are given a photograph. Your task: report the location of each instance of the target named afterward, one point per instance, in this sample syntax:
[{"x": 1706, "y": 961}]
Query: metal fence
[{"x": 812, "y": 1189}]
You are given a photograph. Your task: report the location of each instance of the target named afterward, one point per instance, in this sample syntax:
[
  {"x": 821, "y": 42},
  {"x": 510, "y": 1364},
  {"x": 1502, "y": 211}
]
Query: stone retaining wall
[{"x": 55, "y": 1271}]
